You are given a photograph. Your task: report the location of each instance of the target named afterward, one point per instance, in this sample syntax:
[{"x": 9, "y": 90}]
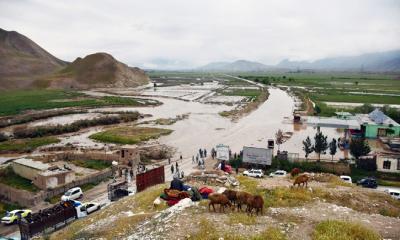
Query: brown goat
[
  {"x": 302, "y": 179},
  {"x": 241, "y": 198},
  {"x": 231, "y": 195},
  {"x": 255, "y": 202},
  {"x": 218, "y": 198}
]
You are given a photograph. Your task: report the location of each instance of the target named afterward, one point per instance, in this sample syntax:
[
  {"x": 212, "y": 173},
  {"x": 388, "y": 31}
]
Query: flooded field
[{"x": 205, "y": 128}]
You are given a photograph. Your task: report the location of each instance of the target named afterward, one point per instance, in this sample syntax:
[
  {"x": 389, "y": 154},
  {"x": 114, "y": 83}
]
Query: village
[
  {"x": 94, "y": 178},
  {"x": 200, "y": 120}
]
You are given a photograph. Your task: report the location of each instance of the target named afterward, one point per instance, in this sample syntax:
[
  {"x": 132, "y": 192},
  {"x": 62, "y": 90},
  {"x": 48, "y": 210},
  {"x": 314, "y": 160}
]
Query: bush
[
  {"x": 332, "y": 230},
  {"x": 24, "y": 132}
]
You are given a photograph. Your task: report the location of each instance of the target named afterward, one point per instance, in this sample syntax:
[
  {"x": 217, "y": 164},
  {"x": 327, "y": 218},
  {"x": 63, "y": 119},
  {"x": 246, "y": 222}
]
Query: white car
[
  {"x": 393, "y": 193},
  {"x": 258, "y": 173},
  {"x": 346, "y": 179},
  {"x": 278, "y": 173},
  {"x": 91, "y": 207},
  {"x": 72, "y": 194}
]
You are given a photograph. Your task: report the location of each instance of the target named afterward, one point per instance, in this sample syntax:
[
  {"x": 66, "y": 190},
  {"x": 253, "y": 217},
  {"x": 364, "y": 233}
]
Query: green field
[
  {"x": 129, "y": 135},
  {"x": 10, "y": 178},
  {"x": 92, "y": 164},
  {"x": 15, "y": 102},
  {"x": 25, "y": 145}
]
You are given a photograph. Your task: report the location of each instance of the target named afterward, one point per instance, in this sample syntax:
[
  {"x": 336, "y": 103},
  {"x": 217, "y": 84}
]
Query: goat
[
  {"x": 241, "y": 198},
  {"x": 218, "y": 198},
  {"x": 302, "y": 179},
  {"x": 255, "y": 202}
]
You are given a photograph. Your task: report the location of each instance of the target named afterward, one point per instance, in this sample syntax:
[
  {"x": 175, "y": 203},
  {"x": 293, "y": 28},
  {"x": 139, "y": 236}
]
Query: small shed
[{"x": 28, "y": 168}]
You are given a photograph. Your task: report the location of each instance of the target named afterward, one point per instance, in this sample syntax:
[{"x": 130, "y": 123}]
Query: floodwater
[
  {"x": 205, "y": 128},
  {"x": 66, "y": 119}
]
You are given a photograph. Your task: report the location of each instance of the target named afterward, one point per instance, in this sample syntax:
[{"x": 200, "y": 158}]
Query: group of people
[{"x": 178, "y": 173}]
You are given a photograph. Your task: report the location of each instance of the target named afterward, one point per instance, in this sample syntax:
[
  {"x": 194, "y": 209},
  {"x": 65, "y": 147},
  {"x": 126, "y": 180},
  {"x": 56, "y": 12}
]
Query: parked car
[
  {"x": 393, "y": 193},
  {"x": 72, "y": 194},
  {"x": 258, "y": 173},
  {"x": 346, "y": 179},
  {"x": 13, "y": 216},
  {"x": 91, "y": 207},
  {"x": 278, "y": 173},
  {"x": 368, "y": 182}
]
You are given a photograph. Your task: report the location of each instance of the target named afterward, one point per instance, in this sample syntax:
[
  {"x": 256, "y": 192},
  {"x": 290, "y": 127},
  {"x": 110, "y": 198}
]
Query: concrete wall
[
  {"x": 394, "y": 164},
  {"x": 371, "y": 131},
  {"x": 22, "y": 197},
  {"x": 24, "y": 171}
]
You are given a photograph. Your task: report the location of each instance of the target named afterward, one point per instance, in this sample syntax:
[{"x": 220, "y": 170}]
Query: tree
[
  {"x": 320, "y": 144},
  {"x": 332, "y": 148},
  {"x": 279, "y": 138},
  {"x": 317, "y": 110},
  {"x": 307, "y": 147},
  {"x": 359, "y": 147}
]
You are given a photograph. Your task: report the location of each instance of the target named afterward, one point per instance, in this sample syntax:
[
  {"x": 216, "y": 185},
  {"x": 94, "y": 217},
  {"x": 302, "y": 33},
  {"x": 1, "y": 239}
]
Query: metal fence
[{"x": 150, "y": 178}]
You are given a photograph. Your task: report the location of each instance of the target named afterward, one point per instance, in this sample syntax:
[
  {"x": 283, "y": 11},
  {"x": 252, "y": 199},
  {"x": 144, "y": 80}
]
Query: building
[
  {"x": 388, "y": 162},
  {"x": 29, "y": 169},
  {"x": 42, "y": 175},
  {"x": 377, "y": 124},
  {"x": 129, "y": 156},
  {"x": 53, "y": 177}
]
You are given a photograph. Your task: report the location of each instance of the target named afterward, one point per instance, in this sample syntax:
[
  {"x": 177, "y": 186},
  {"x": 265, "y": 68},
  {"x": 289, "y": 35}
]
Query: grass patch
[
  {"x": 25, "y": 145},
  {"x": 15, "y": 102},
  {"x": 208, "y": 231},
  {"x": 92, "y": 164},
  {"x": 339, "y": 230},
  {"x": 129, "y": 135},
  {"x": 243, "y": 218},
  {"x": 10, "y": 178}
]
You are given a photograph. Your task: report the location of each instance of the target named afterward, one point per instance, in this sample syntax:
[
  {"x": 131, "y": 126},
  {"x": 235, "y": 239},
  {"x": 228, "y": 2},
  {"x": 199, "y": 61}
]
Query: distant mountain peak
[{"x": 240, "y": 65}]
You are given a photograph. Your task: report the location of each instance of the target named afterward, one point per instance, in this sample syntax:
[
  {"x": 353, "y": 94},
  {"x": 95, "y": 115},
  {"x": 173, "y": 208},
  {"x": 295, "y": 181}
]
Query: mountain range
[
  {"x": 373, "y": 62},
  {"x": 236, "y": 66},
  {"x": 24, "y": 64}
]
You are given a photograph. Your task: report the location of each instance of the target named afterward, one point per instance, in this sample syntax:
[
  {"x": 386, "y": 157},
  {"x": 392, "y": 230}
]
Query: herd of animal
[{"x": 236, "y": 199}]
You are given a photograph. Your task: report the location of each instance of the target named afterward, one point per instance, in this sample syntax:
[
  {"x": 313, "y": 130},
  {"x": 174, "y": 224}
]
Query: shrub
[
  {"x": 332, "y": 230},
  {"x": 3, "y": 137}
]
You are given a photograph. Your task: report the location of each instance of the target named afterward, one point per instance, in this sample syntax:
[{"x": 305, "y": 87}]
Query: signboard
[
  {"x": 222, "y": 152},
  {"x": 262, "y": 156}
]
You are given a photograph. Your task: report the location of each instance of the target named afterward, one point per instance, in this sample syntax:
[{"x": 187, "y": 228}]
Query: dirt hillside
[
  {"x": 21, "y": 60},
  {"x": 96, "y": 70}
]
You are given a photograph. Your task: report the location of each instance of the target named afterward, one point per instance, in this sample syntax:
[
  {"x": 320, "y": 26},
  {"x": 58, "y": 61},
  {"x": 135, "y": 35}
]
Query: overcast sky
[{"x": 186, "y": 33}]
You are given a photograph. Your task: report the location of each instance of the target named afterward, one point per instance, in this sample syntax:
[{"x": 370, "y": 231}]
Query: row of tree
[{"x": 358, "y": 146}]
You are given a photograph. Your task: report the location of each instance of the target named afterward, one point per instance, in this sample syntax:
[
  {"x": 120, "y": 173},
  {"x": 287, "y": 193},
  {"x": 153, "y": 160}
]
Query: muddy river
[{"x": 205, "y": 128}]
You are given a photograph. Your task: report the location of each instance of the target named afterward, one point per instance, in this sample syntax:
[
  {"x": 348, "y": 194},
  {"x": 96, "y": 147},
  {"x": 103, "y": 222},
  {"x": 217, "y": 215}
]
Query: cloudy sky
[{"x": 188, "y": 33}]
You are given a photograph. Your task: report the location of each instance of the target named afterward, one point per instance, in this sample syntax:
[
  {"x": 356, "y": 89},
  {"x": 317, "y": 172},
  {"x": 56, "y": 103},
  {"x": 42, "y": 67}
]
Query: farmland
[{"x": 15, "y": 102}]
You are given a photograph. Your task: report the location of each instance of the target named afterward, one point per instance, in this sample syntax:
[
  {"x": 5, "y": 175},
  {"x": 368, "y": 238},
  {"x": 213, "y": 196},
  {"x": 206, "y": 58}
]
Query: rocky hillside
[
  {"x": 21, "y": 60},
  {"x": 97, "y": 70}
]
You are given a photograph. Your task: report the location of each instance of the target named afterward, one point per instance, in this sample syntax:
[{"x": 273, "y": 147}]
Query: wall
[
  {"x": 393, "y": 165},
  {"x": 22, "y": 197},
  {"x": 371, "y": 131},
  {"x": 24, "y": 171},
  {"x": 96, "y": 177}
]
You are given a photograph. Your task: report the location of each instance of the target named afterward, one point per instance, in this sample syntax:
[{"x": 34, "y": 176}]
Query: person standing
[
  {"x": 192, "y": 159},
  {"x": 169, "y": 160},
  {"x": 172, "y": 168},
  {"x": 180, "y": 158},
  {"x": 176, "y": 164},
  {"x": 205, "y": 152},
  {"x": 237, "y": 169}
]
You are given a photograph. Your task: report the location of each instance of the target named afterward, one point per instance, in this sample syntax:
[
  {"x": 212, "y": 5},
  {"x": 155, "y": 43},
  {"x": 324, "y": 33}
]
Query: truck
[{"x": 51, "y": 218}]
